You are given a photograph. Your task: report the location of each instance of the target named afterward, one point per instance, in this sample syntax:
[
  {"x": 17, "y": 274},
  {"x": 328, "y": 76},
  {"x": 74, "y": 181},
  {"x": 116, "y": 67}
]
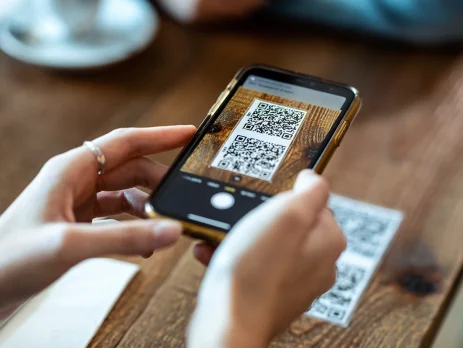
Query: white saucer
[{"x": 124, "y": 27}]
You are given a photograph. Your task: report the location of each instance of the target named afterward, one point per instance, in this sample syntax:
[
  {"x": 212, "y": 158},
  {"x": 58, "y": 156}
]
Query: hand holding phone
[
  {"x": 269, "y": 270},
  {"x": 47, "y": 229},
  {"x": 266, "y": 126}
]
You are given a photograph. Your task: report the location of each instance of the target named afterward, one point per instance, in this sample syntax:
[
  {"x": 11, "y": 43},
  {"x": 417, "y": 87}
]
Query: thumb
[
  {"x": 306, "y": 180},
  {"x": 125, "y": 238},
  {"x": 313, "y": 190}
]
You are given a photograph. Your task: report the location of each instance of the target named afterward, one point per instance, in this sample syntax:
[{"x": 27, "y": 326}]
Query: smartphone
[{"x": 265, "y": 127}]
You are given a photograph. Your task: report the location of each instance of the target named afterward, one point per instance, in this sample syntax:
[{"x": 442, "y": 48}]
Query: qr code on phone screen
[
  {"x": 252, "y": 157},
  {"x": 260, "y": 141},
  {"x": 275, "y": 120}
]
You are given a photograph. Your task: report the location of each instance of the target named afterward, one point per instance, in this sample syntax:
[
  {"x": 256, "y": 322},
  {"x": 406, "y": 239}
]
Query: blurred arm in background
[
  {"x": 418, "y": 21},
  {"x": 195, "y": 11}
]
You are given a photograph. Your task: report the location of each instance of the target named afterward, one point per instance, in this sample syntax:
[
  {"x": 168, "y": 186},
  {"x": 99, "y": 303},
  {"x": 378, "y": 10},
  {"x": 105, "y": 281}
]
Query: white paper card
[
  {"x": 369, "y": 230},
  {"x": 260, "y": 141},
  {"x": 70, "y": 312}
]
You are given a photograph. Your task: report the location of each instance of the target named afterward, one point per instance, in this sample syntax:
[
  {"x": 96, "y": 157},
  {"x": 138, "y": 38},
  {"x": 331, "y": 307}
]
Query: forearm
[
  {"x": 415, "y": 20},
  {"x": 210, "y": 330},
  {"x": 218, "y": 323}
]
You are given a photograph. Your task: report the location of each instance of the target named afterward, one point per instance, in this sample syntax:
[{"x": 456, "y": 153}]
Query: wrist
[
  {"x": 223, "y": 318},
  {"x": 236, "y": 336},
  {"x": 211, "y": 329}
]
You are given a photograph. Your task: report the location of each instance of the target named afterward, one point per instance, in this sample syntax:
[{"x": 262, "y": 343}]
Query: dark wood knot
[
  {"x": 420, "y": 283},
  {"x": 216, "y": 128},
  {"x": 310, "y": 153}
]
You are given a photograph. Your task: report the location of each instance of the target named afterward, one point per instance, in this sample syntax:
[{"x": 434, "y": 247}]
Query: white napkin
[{"x": 70, "y": 312}]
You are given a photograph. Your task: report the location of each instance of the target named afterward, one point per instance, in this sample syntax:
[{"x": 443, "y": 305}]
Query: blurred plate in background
[{"x": 122, "y": 28}]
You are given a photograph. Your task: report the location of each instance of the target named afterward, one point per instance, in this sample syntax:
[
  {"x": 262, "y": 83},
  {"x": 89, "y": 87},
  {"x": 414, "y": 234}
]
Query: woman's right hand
[{"x": 271, "y": 267}]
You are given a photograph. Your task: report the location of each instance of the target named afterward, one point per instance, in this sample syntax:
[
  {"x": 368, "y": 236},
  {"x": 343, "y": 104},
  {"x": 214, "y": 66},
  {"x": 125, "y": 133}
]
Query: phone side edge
[{"x": 331, "y": 147}]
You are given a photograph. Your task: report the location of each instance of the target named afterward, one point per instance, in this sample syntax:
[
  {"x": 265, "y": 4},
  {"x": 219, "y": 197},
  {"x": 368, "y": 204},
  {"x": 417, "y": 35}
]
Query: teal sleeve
[{"x": 422, "y": 21}]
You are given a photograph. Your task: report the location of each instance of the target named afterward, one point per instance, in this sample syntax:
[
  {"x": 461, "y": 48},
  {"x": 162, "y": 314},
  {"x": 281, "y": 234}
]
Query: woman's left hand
[{"x": 48, "y": 228}]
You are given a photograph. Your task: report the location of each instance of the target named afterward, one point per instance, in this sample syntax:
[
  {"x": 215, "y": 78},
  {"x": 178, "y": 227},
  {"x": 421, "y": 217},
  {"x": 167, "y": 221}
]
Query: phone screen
[{"x": 272, "y": 126}]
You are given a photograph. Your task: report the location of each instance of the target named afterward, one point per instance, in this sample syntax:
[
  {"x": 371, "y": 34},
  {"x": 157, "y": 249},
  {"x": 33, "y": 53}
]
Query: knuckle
[
  {"x": 128, "y": 140},
  {"x": 144, "y": 182},
  {"x": 330, "y": 279},
  {"x": 52, "y": 161},
  {"x": 339, "y": 240},
  {"x": 332, "y": 229},
  {"x": 121, "y": 132},
  {"x": 326, "y": 278},
  {"x": 333, "y": 242},
  {"x": 53, "y": 164},
  {"x": 342, "y": 242}
]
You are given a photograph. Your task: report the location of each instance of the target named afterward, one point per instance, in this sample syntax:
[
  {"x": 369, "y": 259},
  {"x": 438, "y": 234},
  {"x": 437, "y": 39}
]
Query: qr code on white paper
[
  {"x": 369, "y": 230},
  {"x": 334, "y": 304},
  {"x": 365, "y": 232},
  {"x": 275, "y": 120},
  {"x": 260, "y": 141},
  {"x": 347, "y": 281}
]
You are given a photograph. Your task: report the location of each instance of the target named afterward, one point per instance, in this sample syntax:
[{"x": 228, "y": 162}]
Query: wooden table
[{"x": 404, "y": 152}]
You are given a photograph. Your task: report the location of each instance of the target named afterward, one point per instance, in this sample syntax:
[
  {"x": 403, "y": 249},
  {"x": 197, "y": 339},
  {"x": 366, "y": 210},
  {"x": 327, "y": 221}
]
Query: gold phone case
[{"x": 216, "y": 236}]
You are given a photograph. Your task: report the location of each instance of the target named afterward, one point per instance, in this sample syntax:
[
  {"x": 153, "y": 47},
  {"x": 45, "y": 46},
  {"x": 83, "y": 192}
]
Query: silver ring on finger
[{"x": 100, "y": 158}]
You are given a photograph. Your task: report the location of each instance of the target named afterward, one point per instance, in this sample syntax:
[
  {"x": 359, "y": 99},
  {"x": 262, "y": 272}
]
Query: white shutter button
[{"x": 222, "y": 201}]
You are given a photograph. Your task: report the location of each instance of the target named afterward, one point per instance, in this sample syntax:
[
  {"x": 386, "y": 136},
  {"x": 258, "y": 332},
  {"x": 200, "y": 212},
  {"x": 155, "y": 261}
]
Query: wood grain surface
[
  {"x": 316, "y": 125},
  {"x": 404, "y": 152}
]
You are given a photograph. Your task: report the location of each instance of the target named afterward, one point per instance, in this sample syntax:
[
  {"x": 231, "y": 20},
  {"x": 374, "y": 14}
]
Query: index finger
[{"x": 123, "y": 144}]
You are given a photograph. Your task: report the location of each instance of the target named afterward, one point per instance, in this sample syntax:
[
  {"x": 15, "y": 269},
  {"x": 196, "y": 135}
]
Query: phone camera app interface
[{"x": 266, "y": 134}]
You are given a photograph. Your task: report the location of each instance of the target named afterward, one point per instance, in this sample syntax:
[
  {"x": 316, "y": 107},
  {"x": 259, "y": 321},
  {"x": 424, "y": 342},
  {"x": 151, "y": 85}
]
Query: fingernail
[
  {"x": 307, "y": 172},
  {"x": 305, "y": 180},
  {"x": 166, "y": 232}
]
